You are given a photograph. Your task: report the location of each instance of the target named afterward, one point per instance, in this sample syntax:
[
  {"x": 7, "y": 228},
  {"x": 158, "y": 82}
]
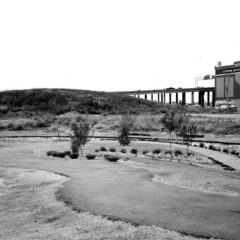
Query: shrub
[
  {"x": 178, "y": 152},
  {"x": 50, "y": 153},
  {"x": 67, "y": 153},
  {"x": 91, "y": 156},
  {"x": 112, "y": 150},
  {"x": 157, "y": 151},
  {"x": 112, "y": 158},
  {"x": 62, "y": 154},
  {"x": 211, "y": 147},
  {"x": 190, "y": 154},
  {"x": 123, "y": 150},
  {"x": 73, "y": 155},
  {"x": 134, "y": 151},
  {"x": 103, "y": 149},
  {"x": 145, "y": 152},
  {"x": 125, "y": 126},
  {"x": 168, "y": 152},
  {"x": 57, "y": 154},
  {"x": 225, "y": 150},
  {"x": 201, "y": 145},
  {"x": 97, "y": 150},
  {"x": 234, "y": 152}
]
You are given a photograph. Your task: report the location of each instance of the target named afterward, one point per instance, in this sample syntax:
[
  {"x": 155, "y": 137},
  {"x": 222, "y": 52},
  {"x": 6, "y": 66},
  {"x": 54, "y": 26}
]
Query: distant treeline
[{"x": 59, "y": 101}]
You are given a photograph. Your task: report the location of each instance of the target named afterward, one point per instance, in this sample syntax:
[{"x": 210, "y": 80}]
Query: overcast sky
[{"x": 115, "y": 45}]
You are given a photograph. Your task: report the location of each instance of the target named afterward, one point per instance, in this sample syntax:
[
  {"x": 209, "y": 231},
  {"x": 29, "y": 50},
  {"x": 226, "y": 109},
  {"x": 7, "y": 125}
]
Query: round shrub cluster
[
  {"x": 123, "y": 150},
  {"x": 145, "y": 152},
  {"x": 178, "y": 152},
  {"x": 58, "y": 154},
  {"x": 134, "y": 151},
  {"x": 103, "y": 149},
  {"x": 112, "y": 150},
  {"x": 156, "y": 151},
  {"x": 112, "y": 158},
  {"x": 91, "y": 156}
]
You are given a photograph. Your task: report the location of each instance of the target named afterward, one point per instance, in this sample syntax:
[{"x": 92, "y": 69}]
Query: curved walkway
[{"x": 227, "y": 159}]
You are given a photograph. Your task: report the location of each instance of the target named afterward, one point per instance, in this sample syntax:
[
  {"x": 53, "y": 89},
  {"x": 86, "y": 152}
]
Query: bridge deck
[{"x": 172, "y": 90}]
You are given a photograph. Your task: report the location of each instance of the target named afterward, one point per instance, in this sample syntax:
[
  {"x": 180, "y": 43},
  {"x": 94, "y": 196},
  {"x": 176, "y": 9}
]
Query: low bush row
[
  {"x": 225, "y": 150},
  {"x": 59, "y": 154}
]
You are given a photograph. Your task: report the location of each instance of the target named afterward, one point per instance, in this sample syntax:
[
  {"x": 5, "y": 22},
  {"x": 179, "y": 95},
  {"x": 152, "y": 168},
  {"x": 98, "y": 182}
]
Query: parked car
[{"x": 225, "y": 106}]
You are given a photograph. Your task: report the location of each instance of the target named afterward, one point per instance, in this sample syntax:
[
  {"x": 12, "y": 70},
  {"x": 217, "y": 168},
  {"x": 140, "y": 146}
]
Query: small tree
[
  {"x": 170, "y": 122},
  {"x": 188, "y": 132},
  {"x": 125, "y": 126},
  {"x": 81, "y": 133}
]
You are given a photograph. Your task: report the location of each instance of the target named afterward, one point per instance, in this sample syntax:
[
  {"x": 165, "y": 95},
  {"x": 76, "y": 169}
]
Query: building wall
[
  {"x": 221, "y": 87},
  {"x": 237, "y": 86},
  {"x": 233, "y": 83}
]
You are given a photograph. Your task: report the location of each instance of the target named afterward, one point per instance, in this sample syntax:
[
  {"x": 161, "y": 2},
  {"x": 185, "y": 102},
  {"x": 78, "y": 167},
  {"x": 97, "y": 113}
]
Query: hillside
[{"x": 59, "y": 101}]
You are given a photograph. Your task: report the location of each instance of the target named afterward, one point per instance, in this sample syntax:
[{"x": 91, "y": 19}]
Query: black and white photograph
[{"x": 119, "y": 120}]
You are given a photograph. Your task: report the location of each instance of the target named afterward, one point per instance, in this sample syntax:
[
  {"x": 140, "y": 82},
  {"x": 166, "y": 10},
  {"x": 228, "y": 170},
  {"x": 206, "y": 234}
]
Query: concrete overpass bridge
[{"x": 202, "y": 96}]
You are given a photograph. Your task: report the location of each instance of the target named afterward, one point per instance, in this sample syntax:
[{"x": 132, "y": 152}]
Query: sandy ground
[{"x": 29, "y": 210}]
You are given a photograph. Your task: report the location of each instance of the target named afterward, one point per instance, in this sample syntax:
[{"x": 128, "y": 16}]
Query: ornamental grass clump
[
  {"x": 123, "y": 150},
  {"x": 91, "y": 156},
  {"x": 103, "y": 149},
  {"x": 225, "y": 150},
  {"x": 58, "y": 154},
  {"x": 112, "y": 150},
  {"x": 178, "y": 152},
  {"x": 112, "y": 158},
  {"x": 157, "y": 151},
  {"x": 201, "y": 145},
  {"x": 211, "y": 147},
  {"x": 168, "y": 152}
]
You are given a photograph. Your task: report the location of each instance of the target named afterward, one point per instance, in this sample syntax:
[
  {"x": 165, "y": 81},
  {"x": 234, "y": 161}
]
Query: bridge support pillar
[
  {"x": 158, "y": 97},
  {"x": 145, "y": 96},
  {"x": 192, "y": 97},
  {"x": 208, "y": 98},
  {"x": 151, "y": 97},
  {"x": 201, "y": 98},
  {"x": 164, "y": 98},
  {"x": 213, "y": 99},
  {"x": 176, "y": 98},
  {"x": 170, "y": 98},
  {"x": 183, "y": 98}
]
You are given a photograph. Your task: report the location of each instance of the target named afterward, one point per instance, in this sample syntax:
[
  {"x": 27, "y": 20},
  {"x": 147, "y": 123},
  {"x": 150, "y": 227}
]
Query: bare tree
[
  {"x": 82, "y": 130},
  {"x": 170, "y": 122},
  {"x": 188, "y": 132}
]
